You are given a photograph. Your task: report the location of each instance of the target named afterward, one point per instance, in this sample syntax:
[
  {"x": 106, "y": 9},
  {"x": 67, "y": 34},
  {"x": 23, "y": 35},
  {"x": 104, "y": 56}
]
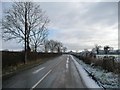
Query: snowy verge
[{"x": 89, "y": 82}]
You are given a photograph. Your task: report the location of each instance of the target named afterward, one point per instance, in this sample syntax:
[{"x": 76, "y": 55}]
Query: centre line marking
[
  {"x": 38, "y": 70},
  {"x": 40, "y": 80},
  {"x": 67, "y": 63}
]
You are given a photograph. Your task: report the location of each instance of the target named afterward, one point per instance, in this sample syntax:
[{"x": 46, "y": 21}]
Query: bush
[
  {"x": 98, "y": 62},
  {"x": 107, "y": 63},
  {"x": 12, "y": 58},
  {"x": 15, "y": 58}
]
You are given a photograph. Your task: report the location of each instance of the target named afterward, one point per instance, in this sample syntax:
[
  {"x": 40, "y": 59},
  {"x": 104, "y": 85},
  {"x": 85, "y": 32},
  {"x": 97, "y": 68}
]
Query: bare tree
[
  {"x": 38, "y": 39},
  {"x": 97, "y": 48},
  {"x": 59, "y": 46},
  {"x": 64, "y": 49},
  {"x": 46, "y": 46},
  {"x": 22, "y": 22},
  {"x": 52, "y": 45},
  {"x": 106, "y": 49}
]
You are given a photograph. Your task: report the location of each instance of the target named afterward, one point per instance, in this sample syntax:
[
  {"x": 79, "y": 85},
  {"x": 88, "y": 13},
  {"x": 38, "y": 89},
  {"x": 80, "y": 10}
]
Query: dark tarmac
[{"x": 60, "y": 72}]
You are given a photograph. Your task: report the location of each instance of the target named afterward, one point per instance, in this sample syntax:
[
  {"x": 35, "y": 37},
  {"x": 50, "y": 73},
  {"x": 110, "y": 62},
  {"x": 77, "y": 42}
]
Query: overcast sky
[{"x": 78, "y": 25}]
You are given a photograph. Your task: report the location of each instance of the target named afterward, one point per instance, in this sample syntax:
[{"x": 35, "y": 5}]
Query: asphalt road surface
[{"x": 60, "y": 72}]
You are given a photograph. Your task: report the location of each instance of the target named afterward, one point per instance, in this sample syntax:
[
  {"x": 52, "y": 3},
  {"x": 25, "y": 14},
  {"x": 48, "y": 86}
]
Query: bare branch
[{"x": 25, "y": 21}]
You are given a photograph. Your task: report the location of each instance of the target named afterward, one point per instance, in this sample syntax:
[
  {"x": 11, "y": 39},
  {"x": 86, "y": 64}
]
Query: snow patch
[
  {"x": 105, "y": 79},
  {"x": 86, "y": 79}
]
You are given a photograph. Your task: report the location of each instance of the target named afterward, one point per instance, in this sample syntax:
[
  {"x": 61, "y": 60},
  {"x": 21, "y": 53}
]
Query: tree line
[
  {"x": 54, "y": 46},
  {"x": 106, "y": 49},
  {"x": 27, "y": 23}
]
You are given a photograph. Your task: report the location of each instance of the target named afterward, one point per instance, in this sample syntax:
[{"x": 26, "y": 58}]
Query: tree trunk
[
  {"x": 46, "y": 51},
  {"x": 28, "y": 45},
  {"x": 35, "y": 48},
  {"x": 51, "y": 50},
  {"x": 25, "y": 61},
  {"x": 58, "y": 50},
  {"x": 97, "y": 51}
]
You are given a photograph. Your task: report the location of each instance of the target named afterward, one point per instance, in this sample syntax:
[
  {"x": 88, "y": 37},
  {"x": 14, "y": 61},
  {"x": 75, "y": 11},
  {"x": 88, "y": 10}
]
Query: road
[{"x": 60, "y": 72}]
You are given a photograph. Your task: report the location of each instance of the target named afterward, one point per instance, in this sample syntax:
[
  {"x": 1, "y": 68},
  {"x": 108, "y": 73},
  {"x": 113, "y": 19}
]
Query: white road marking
[
  {"x": 67, "y": 60},
  {"x": 38, "y": 70},
  {"x": 40, "y": 80},
  {"x": 67, "y": 63}
]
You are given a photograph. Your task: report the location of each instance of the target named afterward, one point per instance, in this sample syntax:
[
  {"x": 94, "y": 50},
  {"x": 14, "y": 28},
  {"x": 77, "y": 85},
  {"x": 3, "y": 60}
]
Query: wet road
[{"x": 60, "y": 72}]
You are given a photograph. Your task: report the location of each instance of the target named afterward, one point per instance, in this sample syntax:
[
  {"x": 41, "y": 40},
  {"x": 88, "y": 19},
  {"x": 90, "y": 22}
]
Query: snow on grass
[
  {"x": 107, "y": 79},
  {"x": 86, "y": 79}
]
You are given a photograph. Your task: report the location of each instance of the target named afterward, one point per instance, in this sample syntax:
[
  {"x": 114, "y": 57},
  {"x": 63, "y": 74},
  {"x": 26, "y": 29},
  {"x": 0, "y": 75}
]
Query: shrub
[
  {"x": 107, "y": 63},
  {"x": 15, "y": 58}
]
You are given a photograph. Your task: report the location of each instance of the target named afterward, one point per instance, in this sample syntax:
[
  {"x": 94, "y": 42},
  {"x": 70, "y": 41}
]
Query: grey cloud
[
  {"x": 81, "y": 25},
  {"x": 103, "y": 12},
  {"x": 68, "y": 16}
]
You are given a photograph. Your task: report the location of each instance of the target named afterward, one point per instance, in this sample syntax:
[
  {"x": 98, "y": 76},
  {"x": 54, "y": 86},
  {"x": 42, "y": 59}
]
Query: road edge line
[
  {"x": 41, "y": 80},
  {"x": 36, "y": 71}
]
